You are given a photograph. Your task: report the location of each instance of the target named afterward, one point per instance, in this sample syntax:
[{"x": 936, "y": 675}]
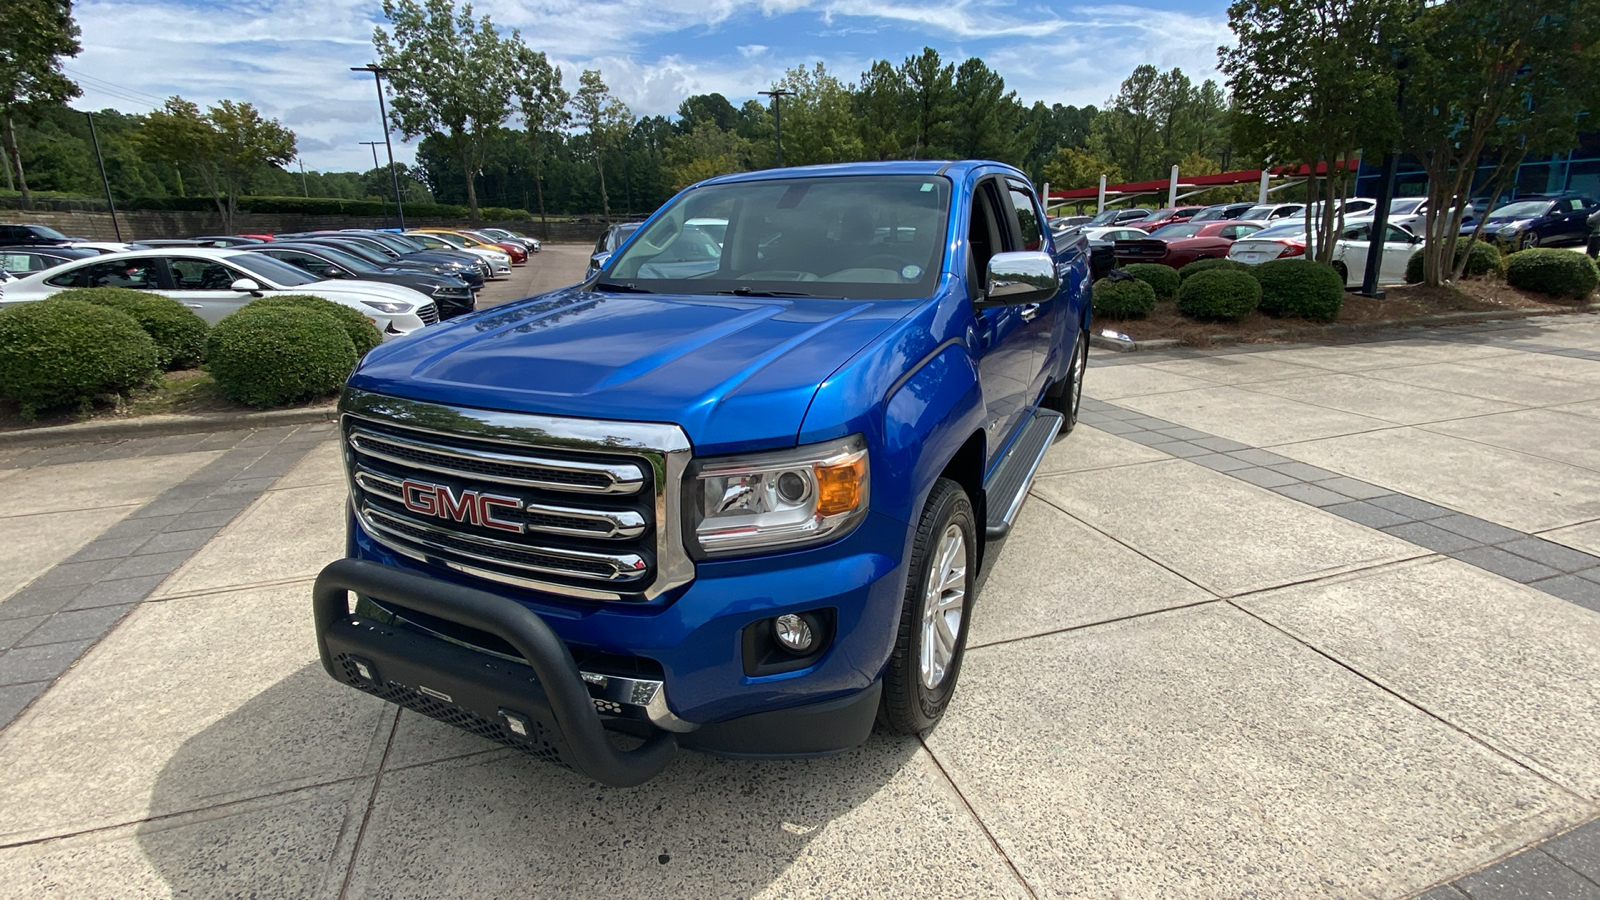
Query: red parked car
[
  {"x": 1161, "y": 218},
  {"x": 1183, "y": 243},
  {"x": 517, "y": 252}
]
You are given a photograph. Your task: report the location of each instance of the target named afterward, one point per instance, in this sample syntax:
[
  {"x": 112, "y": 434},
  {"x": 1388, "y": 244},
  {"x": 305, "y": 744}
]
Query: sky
[{"x": 291, "y": 58}]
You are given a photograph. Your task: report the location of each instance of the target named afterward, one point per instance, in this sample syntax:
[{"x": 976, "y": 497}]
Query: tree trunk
[
  {"x": 472, "y": 189},
  {"x": 605, "y": 202},
  {"x": 26, "y": 202}
]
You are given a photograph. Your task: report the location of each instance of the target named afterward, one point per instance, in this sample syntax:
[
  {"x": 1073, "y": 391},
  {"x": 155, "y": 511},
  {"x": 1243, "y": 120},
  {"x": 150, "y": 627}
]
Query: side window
[
  {"x": 1029, "y": 228},
  {"x": 1575, "y": 204},
  {"x": 1395, "y": 235},
  {"x": 985, "y": 237},
  {"x": 1231, "y": 232},
  {"x": 200, "y": 275},
  {"x": 305, "y": 261},
  {"x": 1357, "y": 233},
  {"x": 138, "y": 274}
]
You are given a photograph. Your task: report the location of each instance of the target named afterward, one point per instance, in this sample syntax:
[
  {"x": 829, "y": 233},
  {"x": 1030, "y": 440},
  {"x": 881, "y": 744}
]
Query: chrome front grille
[
  {"x": 579, "y": 507},
  {"x": 428, "y": 313}
]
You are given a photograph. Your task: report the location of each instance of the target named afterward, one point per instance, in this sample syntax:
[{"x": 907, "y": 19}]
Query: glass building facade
[{"x": 1576, "y": 172}]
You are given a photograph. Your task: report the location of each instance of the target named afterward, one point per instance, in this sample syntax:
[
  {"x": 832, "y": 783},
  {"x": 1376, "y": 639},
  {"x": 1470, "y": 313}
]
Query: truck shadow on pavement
[{"x": 453, "y": 815}]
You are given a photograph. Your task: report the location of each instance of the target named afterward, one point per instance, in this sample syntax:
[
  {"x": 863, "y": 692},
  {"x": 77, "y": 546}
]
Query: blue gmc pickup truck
[{"x": 732, "y": 493}]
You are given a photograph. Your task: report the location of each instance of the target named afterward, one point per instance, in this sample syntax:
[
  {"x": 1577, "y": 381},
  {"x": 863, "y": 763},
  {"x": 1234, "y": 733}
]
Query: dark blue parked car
[
  {"x": 1538, "y": 221},
  {"x": 730, "y": 496}
]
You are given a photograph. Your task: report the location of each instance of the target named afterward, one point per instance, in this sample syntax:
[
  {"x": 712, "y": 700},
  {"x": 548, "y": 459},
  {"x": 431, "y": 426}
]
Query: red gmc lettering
[{"x": 468, "y": 506}]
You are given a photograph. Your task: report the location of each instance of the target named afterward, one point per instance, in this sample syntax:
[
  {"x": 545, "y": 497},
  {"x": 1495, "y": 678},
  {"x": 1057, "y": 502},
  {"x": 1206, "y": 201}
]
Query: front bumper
[{"x": 542, "y": 704}]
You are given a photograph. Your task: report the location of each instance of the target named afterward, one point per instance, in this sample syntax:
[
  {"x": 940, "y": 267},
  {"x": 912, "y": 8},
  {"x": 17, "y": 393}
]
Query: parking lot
[{"x": 1275, "y": 622}]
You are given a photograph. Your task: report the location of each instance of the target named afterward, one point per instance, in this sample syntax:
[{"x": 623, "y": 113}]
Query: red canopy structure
[{"x": 1197, "y": 183}]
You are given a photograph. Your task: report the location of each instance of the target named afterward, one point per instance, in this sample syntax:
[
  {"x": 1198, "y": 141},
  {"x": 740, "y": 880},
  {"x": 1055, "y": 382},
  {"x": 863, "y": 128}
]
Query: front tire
[
  {"x": 1529, "y": 241},
  {"x": 934, "y": 615}
]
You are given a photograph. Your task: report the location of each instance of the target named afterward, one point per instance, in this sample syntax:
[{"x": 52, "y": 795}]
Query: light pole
[
  {"x": 375, "y": 167},
  {"x": 110, "y": 204},
  {"x": 377, "y": 76},
  {"x": 777, "y": 95}
]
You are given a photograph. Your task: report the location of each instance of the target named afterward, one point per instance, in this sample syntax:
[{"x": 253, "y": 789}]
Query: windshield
[
  {"x": 1523, "y": 209},
  {"x": 870, "y": 236},
  {"x": 355, "y": 248},
  {"x": 1405, "y": 206},
  {"x": 455, "y": 240},
  {"x": 1210, "y": 213},
  {"x": 276, "y": 271},
  {"x": 45, "y": 231},
  {"x": 389, "y": 241},
  {"x": 1106, "y": 217},
  {"x": 1178, "y": 230}
]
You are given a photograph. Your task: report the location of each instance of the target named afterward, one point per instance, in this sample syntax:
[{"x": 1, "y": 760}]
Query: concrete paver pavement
[{"x": 1249, "y": 638}]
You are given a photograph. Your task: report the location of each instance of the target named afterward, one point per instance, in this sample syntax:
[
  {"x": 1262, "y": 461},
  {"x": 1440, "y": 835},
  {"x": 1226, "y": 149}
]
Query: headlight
[
  {"x": 1508, "y": 230},
  {"x": 781, "y": 499},
  {"x": 392, "y": 307}
]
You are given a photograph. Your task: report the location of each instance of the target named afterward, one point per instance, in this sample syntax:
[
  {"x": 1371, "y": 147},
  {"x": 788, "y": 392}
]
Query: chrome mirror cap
[{"x": 1026, "y": 276}]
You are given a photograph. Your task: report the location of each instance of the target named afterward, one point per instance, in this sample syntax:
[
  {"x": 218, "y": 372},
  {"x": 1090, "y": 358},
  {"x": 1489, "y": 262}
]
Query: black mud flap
[{"x": 550, "y": 716}]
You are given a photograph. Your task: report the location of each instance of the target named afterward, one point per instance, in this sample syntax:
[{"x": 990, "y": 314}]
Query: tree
[
  {"x": 819, "y": 124},
  {"x": 34, "y": 36},
  {"x": 1125, "y": 132},
  {"x": 882, "y": 104},
  {"x": 450, "y": 75},
  {"x": 707, "y": 152},
  {"x": 1073, "y": 168},
  {"x": 224, "y": 147},
  {"x": 989, "y": 120},
  {"x": 931, "y": 84},
  {"x": 1313, "y": 82},
  {"x": 604, "y": 118},
  {"x": 713, "y": 108},
  {"x": 1487, "y": 80},
  {"x": 543, "y": 103}
]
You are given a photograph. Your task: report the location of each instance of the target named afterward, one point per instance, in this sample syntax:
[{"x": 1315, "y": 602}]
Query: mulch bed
[{"x": 1412, "y": 301}]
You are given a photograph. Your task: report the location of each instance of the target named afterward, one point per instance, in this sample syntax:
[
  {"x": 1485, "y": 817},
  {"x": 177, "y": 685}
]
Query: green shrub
[
  {"x": 1206, "y": 265},
  {"x": 1300, "y": 289},
  {"x": 1124, "y": 298},
  {"x": 1483, "y": 257},
  {"x": 363, "y": 334},
  {"x": 1164, "y": 279},
  {"x": 58, "y": 352},
  {"x": 1222, "y": 294},
  {"x": 180, "y": 335},
  {"x": 1559, "y": 273},
  {"x": 266, "y": 355}
]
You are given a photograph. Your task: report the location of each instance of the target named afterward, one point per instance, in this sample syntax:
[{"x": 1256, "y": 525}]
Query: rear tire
[
  {"x": 935, "y": 613},
  {"x": 1344, "y": 273},
  {"x": 1066, "y": 395}
]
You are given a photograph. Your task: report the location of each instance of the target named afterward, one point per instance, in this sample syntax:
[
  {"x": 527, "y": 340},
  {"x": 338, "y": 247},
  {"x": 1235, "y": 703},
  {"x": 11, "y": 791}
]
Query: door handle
[
  {"x": 1030, "y": 312},
  {"x": 195, "y": 305}
]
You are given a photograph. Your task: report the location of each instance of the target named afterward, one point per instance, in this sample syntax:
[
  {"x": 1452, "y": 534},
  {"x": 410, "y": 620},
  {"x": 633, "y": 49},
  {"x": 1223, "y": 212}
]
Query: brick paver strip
[{"x": 47, "y": 625}]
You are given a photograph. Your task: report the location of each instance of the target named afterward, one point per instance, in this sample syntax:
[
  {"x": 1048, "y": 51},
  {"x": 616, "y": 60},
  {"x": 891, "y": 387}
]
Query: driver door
[
  {"x": 204, "y": 285},
  {"x": 1003, "y": 346}
]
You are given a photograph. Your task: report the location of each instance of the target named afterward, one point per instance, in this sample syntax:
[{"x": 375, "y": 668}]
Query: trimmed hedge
[
  {"x": 180, "y": 335},
  {"x": 1484, "y": 258},
  {"x": 59, "y": 352},
  {"x": 272, "y": 355},
  {"x": 1164, "y": 279},
  {"x": 1558, "y": 273},
  {"x": 1221, "y": 294},
  {"x": 326, "y": 206},
  {"x": 1297, "y": 288},
  {"x": 1206, "y": 265},
  {"x": 363, "y": 334},
  {"x": 1126, "y": 298}
]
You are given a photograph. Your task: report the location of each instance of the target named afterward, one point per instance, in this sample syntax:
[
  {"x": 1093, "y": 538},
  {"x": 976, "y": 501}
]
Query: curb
[
  {"x": 1311, "y": 332},
  {"x": 163, "y": 426}
]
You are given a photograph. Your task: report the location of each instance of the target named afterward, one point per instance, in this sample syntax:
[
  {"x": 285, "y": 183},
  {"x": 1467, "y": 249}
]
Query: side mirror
[
  {"x": 246, "y": 286},
  {"x": 1028, "y": 276},
  {"x": 598, "y": 261}
]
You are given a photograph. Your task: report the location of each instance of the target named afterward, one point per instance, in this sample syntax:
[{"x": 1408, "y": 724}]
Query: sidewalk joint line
[{"x": 982, "y": 825}]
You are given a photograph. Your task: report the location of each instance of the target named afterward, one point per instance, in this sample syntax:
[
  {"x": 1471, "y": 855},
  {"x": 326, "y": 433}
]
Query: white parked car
[
  {"x": 1288, "y": 240},
  {"x": 216, "y": 282},
  {"x": 1411, "y": 213}
]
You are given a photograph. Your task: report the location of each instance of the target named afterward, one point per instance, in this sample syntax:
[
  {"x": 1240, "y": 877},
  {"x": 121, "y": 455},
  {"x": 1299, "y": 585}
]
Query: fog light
[
  {"x": 794, "y": 633},
  {"x": 516, "y": 722}
]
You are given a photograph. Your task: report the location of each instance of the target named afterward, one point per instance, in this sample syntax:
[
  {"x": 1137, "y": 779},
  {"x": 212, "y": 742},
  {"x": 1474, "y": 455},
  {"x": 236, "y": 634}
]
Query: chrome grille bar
[
  {"x": 504, "y": 468},
  {"x": 615, "y": 568}
]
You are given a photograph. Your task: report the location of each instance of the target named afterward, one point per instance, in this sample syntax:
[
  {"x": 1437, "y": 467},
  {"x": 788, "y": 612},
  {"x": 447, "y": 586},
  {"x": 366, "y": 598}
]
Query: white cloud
[{"x": 752, "y": 50}]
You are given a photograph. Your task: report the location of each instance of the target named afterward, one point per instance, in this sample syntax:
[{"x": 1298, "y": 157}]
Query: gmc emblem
[{"x": 468, "y": 506}]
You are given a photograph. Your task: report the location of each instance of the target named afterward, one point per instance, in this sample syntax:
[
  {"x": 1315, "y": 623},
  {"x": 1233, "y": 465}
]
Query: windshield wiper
[
  {"x": 747, "y": 292},
  {"x": 619, "y": 287}
]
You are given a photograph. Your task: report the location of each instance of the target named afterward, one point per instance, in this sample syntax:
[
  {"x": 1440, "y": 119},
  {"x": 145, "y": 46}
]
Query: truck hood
[{"x": 736, "y": 373}]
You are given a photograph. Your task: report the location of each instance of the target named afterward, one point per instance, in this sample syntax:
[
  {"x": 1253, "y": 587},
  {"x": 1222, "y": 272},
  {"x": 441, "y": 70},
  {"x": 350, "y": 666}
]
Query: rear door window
[
  {"x": 137, "y": 274},
  {"x": 201, "y": 275},
  {"x": 1030, "y": 230}
]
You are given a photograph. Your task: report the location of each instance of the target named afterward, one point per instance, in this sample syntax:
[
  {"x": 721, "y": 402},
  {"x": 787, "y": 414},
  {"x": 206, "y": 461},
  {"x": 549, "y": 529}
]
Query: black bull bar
[{"x": 550, "y": 716}]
